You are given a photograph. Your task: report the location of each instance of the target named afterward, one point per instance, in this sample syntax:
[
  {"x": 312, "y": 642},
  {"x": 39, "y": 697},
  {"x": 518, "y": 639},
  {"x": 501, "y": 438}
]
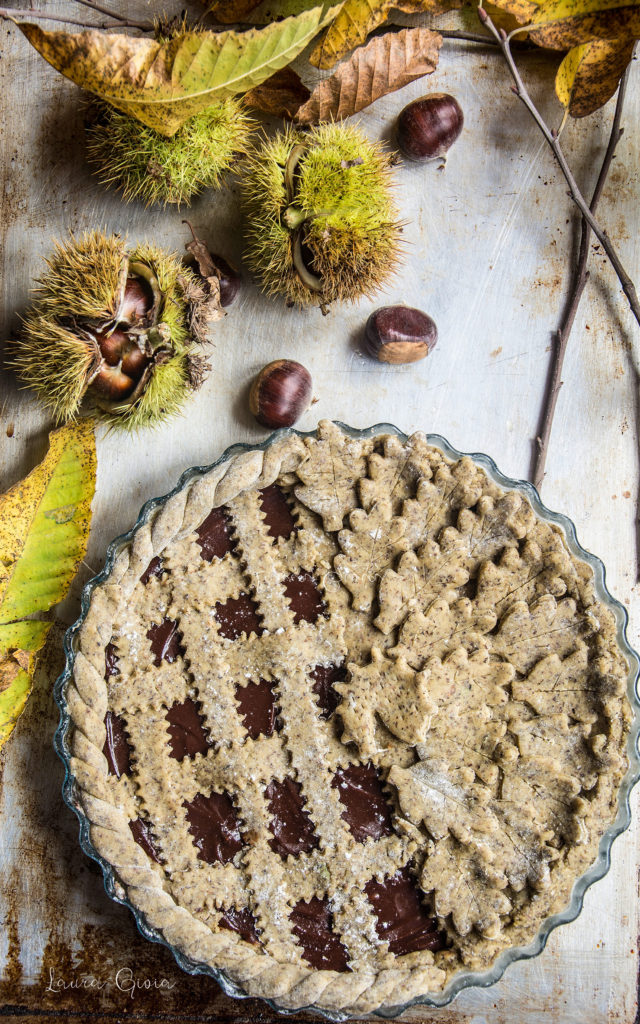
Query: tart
[{"x": 346, "y": 719}]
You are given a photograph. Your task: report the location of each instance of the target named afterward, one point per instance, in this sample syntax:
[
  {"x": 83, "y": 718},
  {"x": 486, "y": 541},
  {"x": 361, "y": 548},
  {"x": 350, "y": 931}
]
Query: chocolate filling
[
  {"x": 143, "y": 837},
  {"x": 214, "y": 827},
  {"x": 187, "y": 736},
  {"x": 366, "y": 811},
  {"x": 258, "y": 707},
  {"x": 312, "y": 923},
  {"x": 290, "y": 824},
  {"x": 236, "y": 616},
  {"x": 111, "y": 661},
  {"x": 325, "y": 676},
  {"x": 241, "y": 921},
  {"x": 214, "y": 535},
  {"x": 116, "y": 746},
  {"x": 277, "y": 514},
  {"x": 154, "y": 568},
  {"x": 305, "y": 600},
  {"x": 402, "y": 920},
  {"x": 165, "y": 640}
]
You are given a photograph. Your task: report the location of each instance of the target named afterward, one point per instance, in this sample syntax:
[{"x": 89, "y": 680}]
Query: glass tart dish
[{"x": 349, "y": 720}]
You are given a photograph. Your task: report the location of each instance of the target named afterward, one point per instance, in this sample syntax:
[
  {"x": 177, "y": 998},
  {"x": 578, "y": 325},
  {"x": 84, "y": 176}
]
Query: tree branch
[
  {"x": 142, "y": 25},
  {"x": 520, "y": 90},
  {"x": 580, "y": 278},
  {"x": 20, "y": 13}
]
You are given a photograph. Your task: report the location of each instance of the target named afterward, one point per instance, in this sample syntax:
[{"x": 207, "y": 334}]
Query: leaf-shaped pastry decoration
[
  {"x": 358, "y": 18},
  {"x": 164, "y": 83},
  {"x": 561, "y": 24},
  {"x": 589, "y": 74},
  {"x": 44, "y": 527},
  {"x": 385, "y": 64},
  {"x": 329, "y": 475},
  {"x": 387, "y": 688}
]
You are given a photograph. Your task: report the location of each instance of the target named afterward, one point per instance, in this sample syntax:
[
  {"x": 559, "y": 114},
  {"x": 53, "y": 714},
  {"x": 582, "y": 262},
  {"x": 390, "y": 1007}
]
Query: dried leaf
[
  {"x": 277, "y": 10},
  {"x": 163, "y": 84},
  {"x": 358, "y": 18},
  {"x": 44, "y": 527},
  {"x": 385, "y": 64},
  {"x": 589, "y": 74},
  {"x": 562, "y": 24},
  {"x": 281, "y": 95},
  {"x": 522, "y": 11},
  {"x": 229, "y": 11}
]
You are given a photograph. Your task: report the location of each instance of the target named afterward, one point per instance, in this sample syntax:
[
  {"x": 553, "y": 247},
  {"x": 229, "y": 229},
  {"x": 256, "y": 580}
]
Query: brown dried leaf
[
  {"x": 358, "y": 18},
  {"x": 281, "y": 95},
  {"x": 229, "y": 11},
  {"x": 385, "y": 64}
]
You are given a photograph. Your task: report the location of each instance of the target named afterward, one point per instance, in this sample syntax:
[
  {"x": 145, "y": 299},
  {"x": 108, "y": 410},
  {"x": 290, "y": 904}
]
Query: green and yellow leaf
[
  {"x": 589, "y": 74},
  {"x": 44, "y": 527},
  {"x": 356, "y": 20},
  {"x": 164, "y": 83},
  {"x": 563, "y": 24}
]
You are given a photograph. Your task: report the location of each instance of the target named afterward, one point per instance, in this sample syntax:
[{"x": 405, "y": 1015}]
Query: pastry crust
[{"x": 484, "y": 684}]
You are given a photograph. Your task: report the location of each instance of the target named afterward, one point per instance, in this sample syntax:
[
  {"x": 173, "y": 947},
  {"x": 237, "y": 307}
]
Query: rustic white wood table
[{"x": 489, "y": 244}]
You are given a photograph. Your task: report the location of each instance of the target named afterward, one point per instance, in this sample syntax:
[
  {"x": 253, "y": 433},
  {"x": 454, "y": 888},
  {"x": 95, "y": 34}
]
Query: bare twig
[
  {"x": 520, "y": 90},
  {"x": 145, "y": 26},
  {"x": 580, "y": 278},
  {"x": 22, "y": 13}
]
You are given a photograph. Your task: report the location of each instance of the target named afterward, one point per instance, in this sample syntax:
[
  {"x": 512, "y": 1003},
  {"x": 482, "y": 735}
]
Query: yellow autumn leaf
[
  {"x": 165, "y": 82},
  {"x": 589, "y": 74},
  {"x": 356, "y": 20},
  {"x": 563, "y": 24},
  {"x": 44, "y": 527}
]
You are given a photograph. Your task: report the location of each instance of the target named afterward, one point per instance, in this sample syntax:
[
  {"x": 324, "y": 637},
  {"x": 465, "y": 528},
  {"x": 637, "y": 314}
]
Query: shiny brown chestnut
[
  {"x": 429, "y": 126},
  {"x": 229, "y": 278},
  {"x": 280, "y": 393},
  {"x": 399, "y": 334}
]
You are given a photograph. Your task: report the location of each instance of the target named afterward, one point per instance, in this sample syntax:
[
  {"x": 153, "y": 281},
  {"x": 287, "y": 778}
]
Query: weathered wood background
[{"x": 489, "y": 243}]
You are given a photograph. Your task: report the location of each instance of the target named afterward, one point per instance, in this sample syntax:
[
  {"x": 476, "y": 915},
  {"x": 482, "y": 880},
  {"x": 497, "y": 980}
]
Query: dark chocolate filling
[
  {"x": 402, "y": 920},
  {"x": 111, "y": 660},
  {"x": 214, "y": 535},
  {"x": 277, "y": 514},
  {"x": 214, "y": 827},
  {"x": 325, "y": 676},
  {"x": 305, "y": 600},
  {"x": 166, "y": 641},
  {"x": 290, "y": 824},
  {"x": 366, "y": 811},
  {"x": 236, "y": 616},
  {"x": 258, "y": 708},
  {"x": 154, "y": 568},
  {"x": 187, "y": 736},
  {"x": 312, "y": 923},
  {"x": 142, "y": 835},
  {"x": 116, "y": 746},
  {"x": 241, "y": 921}
]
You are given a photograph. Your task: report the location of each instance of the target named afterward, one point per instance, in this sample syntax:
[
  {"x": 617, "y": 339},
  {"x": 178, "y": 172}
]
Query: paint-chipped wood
[{"x": 488, "y": 242}]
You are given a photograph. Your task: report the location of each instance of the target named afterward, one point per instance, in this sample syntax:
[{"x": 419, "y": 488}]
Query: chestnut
[
  {"x": 429, "y": 126},
  {"x": 137, "y": 301},
  {"x": 229, "y": 279},
  {"x": 399, "y": 334},
  {"x": 280, "y": 393}
]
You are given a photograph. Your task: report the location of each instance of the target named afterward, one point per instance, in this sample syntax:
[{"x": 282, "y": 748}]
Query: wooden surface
[{"x": 489, "y": 241}]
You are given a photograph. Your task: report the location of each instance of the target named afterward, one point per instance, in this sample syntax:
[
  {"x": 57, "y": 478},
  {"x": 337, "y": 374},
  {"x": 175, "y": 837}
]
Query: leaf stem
[
  {"x": 580, "y": 278},
  {"x": 521, "y": 92}
]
